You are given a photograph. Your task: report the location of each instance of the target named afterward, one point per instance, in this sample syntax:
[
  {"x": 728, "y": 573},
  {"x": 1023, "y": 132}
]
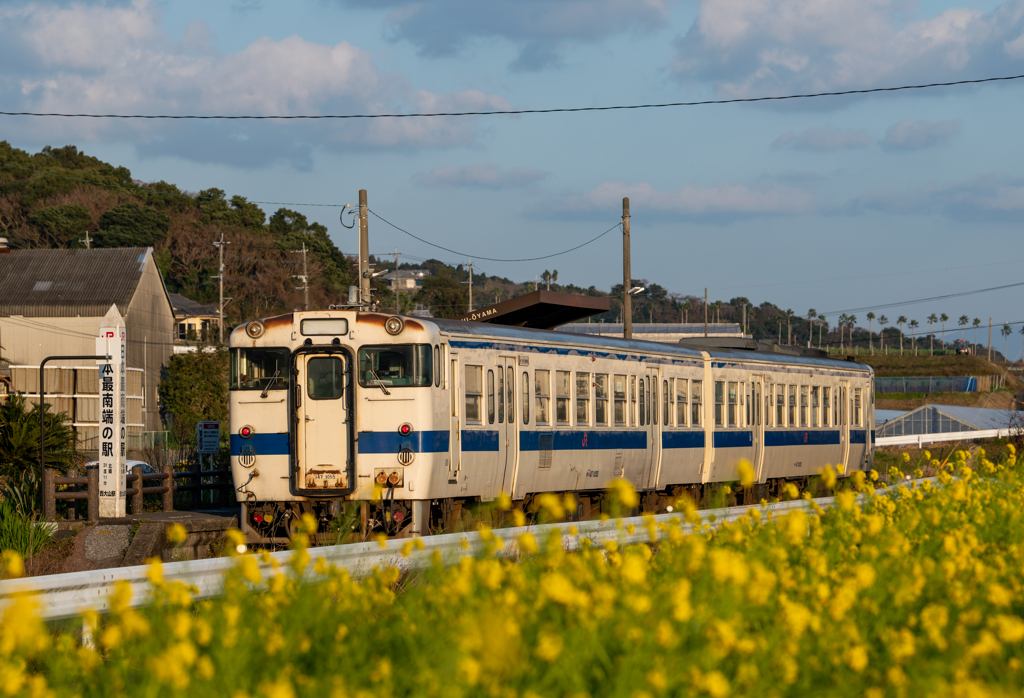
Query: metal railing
[
  {"x": 68, "y": 595},
  {"x": 923, "y": 439}
]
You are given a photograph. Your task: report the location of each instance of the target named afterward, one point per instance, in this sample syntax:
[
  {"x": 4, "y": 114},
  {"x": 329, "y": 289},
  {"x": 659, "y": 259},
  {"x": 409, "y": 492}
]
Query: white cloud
[
  {"x": 760, "y": 47},
  {"x": 823, "y": 140},
  {"x": 481, "y": 176},
  {"x": 990, "y": 197},
  {"x": 117, "y": 59},
  {"x": 716, "y": 202},
  {"x": 917, "y": 135}
]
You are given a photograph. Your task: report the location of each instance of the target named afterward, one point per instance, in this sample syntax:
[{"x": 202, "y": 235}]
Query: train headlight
[
  {"x": 255, "y": 329},
  {"x": 246, "y": 432},
  {"x": 394, "y": 325}
]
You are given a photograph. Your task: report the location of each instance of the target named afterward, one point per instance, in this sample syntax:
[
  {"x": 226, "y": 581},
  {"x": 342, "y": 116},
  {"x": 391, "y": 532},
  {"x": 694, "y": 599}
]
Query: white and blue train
[{"x": 416, "y": 418}]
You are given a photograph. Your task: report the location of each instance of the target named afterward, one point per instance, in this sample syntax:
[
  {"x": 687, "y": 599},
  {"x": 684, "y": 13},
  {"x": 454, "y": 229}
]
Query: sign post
[
  {"x": 207, "y": 442},
  {"x": 113, "y": 418}
]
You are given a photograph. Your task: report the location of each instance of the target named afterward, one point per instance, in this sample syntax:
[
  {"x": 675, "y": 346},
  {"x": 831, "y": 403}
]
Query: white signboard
[
  {"x": 113, "y": 420},
  {"x": 208, "y": 437}
]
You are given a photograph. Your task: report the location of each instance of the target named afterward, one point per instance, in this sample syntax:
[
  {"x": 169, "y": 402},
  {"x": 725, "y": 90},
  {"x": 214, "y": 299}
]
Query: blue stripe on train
[
  {"x": 858, "y": 436},
  {"x": 801, "y": 438},
  {"x": 262, "y": 444},
  {"x": 391, "y": 442},
  {"x": 682, "y": 439},
  {"x": 479, "y": 440},
  {"x": 734, "y": 439},
  {"x": 584, "y": 440}
]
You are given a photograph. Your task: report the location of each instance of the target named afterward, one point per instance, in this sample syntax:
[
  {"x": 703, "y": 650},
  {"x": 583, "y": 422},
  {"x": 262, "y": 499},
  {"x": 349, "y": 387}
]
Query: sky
[{"x": 834, "y": 203}]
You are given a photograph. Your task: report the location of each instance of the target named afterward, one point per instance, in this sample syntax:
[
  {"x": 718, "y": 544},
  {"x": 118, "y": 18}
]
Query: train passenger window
[
  {"x": 474, "y": 393},
  {"x": 619, "y": 385},
  {"x": 437, "y": 366},
  {"x": 582, "y": 398},
  {"x": 803, "y": 405},
  {"x": 542, "y": 393},
  {"x": 395, "y": 366},
  {"x": 665, "y": 419},
  {"x": 325, "y": 377},
  {"x": 856, "y": 407},
  {"x": 680, "y": 385},
  {"x": 511, "y": 394},
  {"x": 719, "y": 403},
  {"x": 601, "y": 400},
  {"x": 254, "y": 369},
  {"x": 643, "y": 403},
  {"x": 526, "y": 397},
  {"x": 696, "y": 400},
  {"x": 490, "y": 397},
  {"x": 747, "y": 387},
  {"x": 826, "y": 402},
  {"x": 500, "y": 394},
  {"x": 815, "y": 399},
  {"x": 792, "y": 406},
  {"x": 562, "y": 396},
  {"x": 652, "y": 400},
  {"x": 780, "y": 405},
  {"x": 632, "y": 400},
  {"x": 732, "y": 404}
]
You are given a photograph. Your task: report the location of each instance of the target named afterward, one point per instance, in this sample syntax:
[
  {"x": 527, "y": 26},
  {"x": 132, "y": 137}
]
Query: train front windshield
[
  {"x": 395, "y": 365},
  {"x": 259, "y": 369}
]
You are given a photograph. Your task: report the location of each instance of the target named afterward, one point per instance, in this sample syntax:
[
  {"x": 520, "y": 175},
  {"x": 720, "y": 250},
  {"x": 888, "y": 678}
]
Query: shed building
[{"x": 52, "y": 303}]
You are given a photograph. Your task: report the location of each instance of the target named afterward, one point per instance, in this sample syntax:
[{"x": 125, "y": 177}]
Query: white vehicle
[{"x": 417, "y": 417}]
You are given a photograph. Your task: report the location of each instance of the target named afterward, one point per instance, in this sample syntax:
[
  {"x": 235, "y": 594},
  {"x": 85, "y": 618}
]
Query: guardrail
[
  {"x": 67, "y": 595},
  {"x": 920, "y": 440}
]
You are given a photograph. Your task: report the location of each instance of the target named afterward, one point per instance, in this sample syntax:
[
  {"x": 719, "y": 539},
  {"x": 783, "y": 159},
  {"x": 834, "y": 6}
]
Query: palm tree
[
  {"x": 913, "y": 331},
  {"x": 943, "y": 318},
  {"x": 546, "y": 278},
  {"x": 932, "y": 319},
  {"x": 1006, "y": 331},
  {"x": 882, "y": 321},
  {"x": 811, "y": 314},
  {"x": 822, "y": 322},
  {"x": 871, "y": 348},
  {"x": 963, "y": 323},
  {"x": 901, "y": 320},
  {"x": 842, "y": 328},
  {"x": 789, "y": 327},
  {"x": 850, "y": 322},
  {"x": 977, "y": 324},
  {"x": 554, "y": 276}
]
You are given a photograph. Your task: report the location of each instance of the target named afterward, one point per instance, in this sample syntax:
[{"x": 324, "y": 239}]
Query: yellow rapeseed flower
[
  {"x": 549, "y": 645},
  {"x": 13, "y": 564},
  {"x": 176, "y": 534},
  {"x": 624, "y": 491},
  {"x": 745, "y": 471}
]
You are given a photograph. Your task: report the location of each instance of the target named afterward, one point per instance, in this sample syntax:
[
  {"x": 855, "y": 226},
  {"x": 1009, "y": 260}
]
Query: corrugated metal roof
[
  {"x": 69, "y": 283},
  {"x": 883, "y": 416},
  {"x": 186, "y": 307},
  {"x": 979, "y": 417}
]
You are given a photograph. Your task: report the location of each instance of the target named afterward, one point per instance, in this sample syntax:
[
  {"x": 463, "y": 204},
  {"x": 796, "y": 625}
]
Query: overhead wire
[
  {"x": 497, "y": 112},
  {"x": 883, "y": 306}
]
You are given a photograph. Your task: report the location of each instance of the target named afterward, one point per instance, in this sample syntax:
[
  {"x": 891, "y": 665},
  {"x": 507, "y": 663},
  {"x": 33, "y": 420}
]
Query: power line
[
  {"x": 493, "y": 259},
  {"x": 496, "y": 112},
  {"x": 924, "y": 300}
]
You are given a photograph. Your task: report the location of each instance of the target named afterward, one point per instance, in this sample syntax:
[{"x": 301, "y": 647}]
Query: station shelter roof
[{"x": 541, "y": 309}]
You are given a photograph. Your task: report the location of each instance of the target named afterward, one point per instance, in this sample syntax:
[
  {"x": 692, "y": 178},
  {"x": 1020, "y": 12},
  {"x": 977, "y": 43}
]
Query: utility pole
[
  {"x": 705, "y": 311},
  {"x": 627, "y": 275},
  {"x": 990, "y": 339},
  {"x": 397, "y": 306},
  {"x": 470, "y": 282},
  {"x": 220, "y": 278},
  {"x": 87, "y": 241},
  {"x": 304, "y": 277},
  {"x": 364, "y": 251}
]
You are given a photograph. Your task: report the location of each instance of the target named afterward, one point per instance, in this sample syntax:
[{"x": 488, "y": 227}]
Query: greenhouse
[{"x": 939, "y": 419}]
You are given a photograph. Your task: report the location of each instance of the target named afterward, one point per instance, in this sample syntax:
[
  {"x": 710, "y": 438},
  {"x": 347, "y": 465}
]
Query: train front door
[
  {"x": 322, "y": 424},
  {"x": 508, "y": 435}
]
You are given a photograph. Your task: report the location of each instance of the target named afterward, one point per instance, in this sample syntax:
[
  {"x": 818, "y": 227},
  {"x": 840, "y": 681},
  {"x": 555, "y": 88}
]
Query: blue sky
[{"x": 794, "y": 203}]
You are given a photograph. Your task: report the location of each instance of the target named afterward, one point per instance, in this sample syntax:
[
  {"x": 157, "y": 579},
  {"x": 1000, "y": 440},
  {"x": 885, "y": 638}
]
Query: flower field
[{"x": 917, "y": 592}]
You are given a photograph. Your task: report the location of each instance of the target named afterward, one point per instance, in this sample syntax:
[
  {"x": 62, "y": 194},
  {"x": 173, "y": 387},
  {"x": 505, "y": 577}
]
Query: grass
[
  {"x": 19, "y": 533},
  {"x": 910, "y": 365}
]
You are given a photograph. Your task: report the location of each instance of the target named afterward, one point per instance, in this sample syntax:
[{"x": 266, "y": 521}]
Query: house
[
  {"x": 405, "y": 280},
  {"x": 51, "y": 304},
  {"x": 193, "y": 321}
]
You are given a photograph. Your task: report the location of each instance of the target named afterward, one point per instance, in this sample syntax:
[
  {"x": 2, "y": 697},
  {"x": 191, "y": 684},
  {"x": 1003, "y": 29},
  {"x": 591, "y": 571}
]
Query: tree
[
  {"x": 851, "y": 321},
  {"x": 882, "y": 321},
  {"x": 963, "y": 323},
  {"x": 789, "y": 326},
  {"x": 546, "y": 278},
  {"x": 871, "y": 348},
  {"x": 811, "y": 314},
  {"x": 977, "y": 324},
  {"x": 19, "y": 440},
  {"x": 554, "y": 276},
  {"x": 444, "y": 295},
  {"x": 61, "y": 226},
  {"x": 1006, "y": 332},
  {"x": 131, "y": 225},
  {"x": 194, "y": 389},
  {"x": 943, "y": 318},
  {"x": 913, "y": 330},
  {"x": 901, "y": 320},
  {"x": 932, "y": 319},
  {"x": 822, "y": 323},
  {"x": 842, "y": 328}
]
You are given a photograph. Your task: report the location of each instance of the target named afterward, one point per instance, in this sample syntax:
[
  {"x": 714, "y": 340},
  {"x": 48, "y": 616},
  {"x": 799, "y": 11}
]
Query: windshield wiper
[
  {"x": 273, "y": 379},
  {"x": 380, "y": 383}
]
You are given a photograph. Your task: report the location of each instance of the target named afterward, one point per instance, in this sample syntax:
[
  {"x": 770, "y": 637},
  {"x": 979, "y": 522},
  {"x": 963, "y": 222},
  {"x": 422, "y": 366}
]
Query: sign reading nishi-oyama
[
  {"x": 208, "y": 437},
  {"x": 113, "y": 416}
]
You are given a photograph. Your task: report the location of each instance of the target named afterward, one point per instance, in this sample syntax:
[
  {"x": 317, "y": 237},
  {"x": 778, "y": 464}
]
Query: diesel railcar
[{"x": 415, "y": 418}]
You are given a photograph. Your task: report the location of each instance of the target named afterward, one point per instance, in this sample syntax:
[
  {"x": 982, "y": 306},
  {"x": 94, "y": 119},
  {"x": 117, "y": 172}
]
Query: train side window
[
  {"x": 632, "y": 401},
  {"x": 451, "y": 388},
  {"x": 665, "y": 418},
  {"x": 803, "y": 405},
  {"x": 719, "y": 403},
  {"x": 792, "y": 406},
  {"x": 815, "y": 399},
  {"x": 826, "y": 402},
  {"x": 680, "y": 386},
  {"x": 474, "y": 393},
  {"x": 562, "y": 397},
  {"x": 526, "y": 397},
  {"x": 732, "y": 403},
  {"x": 542, "y": 394},
  {"x": 601, "y": 400},
  {"x": 747, "y": 387},
  {"x": 856, "y": 407},
  {"x": 643, "y": 403},
  {"x": 582, "y": 399},
  {"x": 500, "y": 395},
  {"x": 490, "y": 397},
  {"x": 511, "y": 395},
  {"x": 437, "y": 366},
  {"x": 780, "y": 405},
  {"x": 651, "y": 385},
  {"x": 619, "y": 385},
  {"x": 696, "y": 403}
]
